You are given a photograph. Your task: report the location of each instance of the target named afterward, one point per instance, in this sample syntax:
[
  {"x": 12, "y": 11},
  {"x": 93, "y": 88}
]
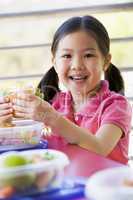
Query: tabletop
[{"x": 83, "y": 163}]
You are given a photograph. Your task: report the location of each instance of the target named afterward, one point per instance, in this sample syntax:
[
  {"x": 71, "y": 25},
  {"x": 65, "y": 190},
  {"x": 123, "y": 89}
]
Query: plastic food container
[
  {"x": 23, "y": 134},
  {"x": 41, "y": 170},
  {"x": 111, "y": 184}
]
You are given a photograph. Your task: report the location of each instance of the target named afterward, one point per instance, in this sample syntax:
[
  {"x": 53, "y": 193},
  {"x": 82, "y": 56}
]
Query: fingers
[
  {"x": 6, "y": 112},
  {"x": 24, "y": 106},
  {"x": 5, "y": 106},
  {"x": 23, "y": 111},
  {"x": 23, "y": 115},
  {"x": 29, "y": 106},
  {"x": 4, "y": 99},
  {"x": 6, "y": 117}
]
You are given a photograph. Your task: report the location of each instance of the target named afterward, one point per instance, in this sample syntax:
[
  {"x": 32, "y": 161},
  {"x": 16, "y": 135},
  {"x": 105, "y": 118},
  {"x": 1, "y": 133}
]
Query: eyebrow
[{"x": 86, "y": 49}]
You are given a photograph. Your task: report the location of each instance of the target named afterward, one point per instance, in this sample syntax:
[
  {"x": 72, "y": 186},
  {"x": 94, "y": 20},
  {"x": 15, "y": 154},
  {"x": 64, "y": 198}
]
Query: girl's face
[{"x": 79, "y": 62}]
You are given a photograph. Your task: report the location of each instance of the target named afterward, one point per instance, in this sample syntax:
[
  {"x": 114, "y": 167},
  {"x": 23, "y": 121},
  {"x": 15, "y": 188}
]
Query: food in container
[
  {"x": 17, "y": 92},
  {"x": 12, "y": 96},
  {"x": 111, "y": 184},
  {"x": 24, "y": 133},
  {"x": 12, "y": 160},
  {"x": 8, "y": 122},
  {"x": 28, "y": 172}
]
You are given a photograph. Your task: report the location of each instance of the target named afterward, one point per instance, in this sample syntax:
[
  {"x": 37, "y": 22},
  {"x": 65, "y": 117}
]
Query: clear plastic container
[
  {"x": 111, "y": 184},
  {"x": 42, "y": 171},
  {"x": 23, "y": 134}
]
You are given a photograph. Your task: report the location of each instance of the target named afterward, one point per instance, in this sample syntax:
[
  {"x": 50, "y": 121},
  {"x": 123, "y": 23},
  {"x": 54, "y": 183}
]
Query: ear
[{"x": 107, "y": 62}]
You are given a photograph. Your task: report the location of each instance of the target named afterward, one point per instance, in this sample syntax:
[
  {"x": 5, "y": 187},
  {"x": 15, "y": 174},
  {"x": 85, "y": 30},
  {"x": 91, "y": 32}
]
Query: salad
[{"x": 31, "y": 171}]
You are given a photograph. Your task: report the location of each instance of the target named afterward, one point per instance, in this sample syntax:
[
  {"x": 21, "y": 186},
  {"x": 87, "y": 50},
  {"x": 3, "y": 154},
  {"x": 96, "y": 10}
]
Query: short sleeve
[{"x": 118, "y": 111}]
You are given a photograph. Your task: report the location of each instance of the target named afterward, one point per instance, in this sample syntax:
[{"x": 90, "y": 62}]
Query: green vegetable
[
  {"x": 17, "y": 180},
  {"x": 49, "y": 156},
  {"x": 14, "y": 160},
  {"x": 39, "y": 93}
]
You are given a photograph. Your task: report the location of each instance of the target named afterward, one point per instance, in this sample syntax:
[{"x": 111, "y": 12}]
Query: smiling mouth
[{"x": 78, "y": 78}]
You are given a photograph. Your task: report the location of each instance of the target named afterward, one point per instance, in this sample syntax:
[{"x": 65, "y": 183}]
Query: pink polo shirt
[{"x": 106, "y": 107}]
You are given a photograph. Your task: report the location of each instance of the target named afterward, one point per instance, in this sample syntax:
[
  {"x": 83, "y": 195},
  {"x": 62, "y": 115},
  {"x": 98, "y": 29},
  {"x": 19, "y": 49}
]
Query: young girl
[{"x": 92, "y": 113}]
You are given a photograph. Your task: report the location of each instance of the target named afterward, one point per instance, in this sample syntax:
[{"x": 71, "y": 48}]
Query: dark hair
[
  {"x": 97, "y": 30},
  {"x": 49, "y": 84},
  {"x": 113, "y": 75}
]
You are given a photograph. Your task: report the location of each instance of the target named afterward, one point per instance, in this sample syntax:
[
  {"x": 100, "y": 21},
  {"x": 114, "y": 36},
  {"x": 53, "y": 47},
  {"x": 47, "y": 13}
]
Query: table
[{"x": 82, "y": 162}]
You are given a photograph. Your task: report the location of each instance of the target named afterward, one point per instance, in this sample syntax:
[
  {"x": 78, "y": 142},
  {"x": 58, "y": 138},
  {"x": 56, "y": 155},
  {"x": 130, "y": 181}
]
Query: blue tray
[
  {"x": 71, "y": 189},
  {"x": 43, "y": 144}
]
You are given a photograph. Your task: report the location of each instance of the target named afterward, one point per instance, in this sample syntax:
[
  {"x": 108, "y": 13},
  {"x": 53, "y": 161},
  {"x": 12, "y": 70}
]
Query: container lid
[
  {"x": 43, "y": 144},
  {"x": 53, "y": 159},
  {"x": 112, "y": 181},
  {"x": 22, "y": 124}
]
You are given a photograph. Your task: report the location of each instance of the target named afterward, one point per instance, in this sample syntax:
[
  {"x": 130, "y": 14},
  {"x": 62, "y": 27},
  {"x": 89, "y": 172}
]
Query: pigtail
[
  {"x": 49, "y": 84},
  {"x": 114, "y": 77}
]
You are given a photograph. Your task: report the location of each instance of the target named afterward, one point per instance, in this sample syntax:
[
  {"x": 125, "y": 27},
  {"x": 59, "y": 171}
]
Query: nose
[{"x": 77, "y": 63}]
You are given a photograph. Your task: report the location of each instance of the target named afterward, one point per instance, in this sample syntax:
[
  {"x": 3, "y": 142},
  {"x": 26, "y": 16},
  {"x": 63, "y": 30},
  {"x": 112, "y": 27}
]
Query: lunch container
[
  {"x": 23, "y": 134},
  {"x": 41, "y": 170},
  {"x": 111, "y": 184}
]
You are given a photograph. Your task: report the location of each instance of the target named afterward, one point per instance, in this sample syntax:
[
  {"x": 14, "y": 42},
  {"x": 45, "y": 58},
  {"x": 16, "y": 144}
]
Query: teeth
[{"x": 78, "y": 77}]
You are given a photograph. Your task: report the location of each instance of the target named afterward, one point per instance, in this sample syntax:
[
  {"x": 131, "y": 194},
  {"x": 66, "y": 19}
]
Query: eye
[
  {"x": 88, "y": 55},
  {"x": 66, "y": 56}
]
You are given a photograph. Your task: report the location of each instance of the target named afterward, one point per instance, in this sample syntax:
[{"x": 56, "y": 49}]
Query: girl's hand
[
  {"x": 29, "y": 106},
  {"x": 5, "y": 110}
]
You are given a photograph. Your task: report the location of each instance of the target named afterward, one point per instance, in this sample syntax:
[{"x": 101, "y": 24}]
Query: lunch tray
[
  {"x": 71, "y": 189},
  {"x": 43, "y": 144}
]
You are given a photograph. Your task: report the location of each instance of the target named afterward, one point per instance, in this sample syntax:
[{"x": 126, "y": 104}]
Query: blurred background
[{"x": 27, "y": 28}]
